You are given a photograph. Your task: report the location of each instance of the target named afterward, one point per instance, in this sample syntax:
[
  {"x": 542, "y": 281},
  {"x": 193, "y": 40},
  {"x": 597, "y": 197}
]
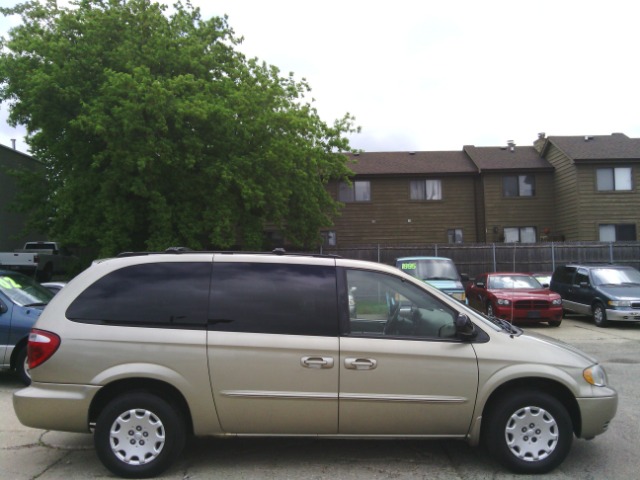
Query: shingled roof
[
  {"x": 616, "y": 146},
  {"x": 411, "y": 163},
  {"x": 506, "y": 158}
]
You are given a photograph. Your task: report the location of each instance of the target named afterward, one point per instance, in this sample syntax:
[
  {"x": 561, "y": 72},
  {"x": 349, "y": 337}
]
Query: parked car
[
  {"x": 440, "y": 272},
  {"x": 260, "y": 344},
  {"x": 515, "y": 297},
  {"x": 39, "y": 259},
  {"x": 606, "y": 292},
  {"x": 543, "y": 277},
  {"x": 22, "y": 300},
  {"x": 54, "y": 287}
]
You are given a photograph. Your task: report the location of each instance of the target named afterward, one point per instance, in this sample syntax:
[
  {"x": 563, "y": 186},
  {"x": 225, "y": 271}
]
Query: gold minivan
[{"x": 146, "y": 349}]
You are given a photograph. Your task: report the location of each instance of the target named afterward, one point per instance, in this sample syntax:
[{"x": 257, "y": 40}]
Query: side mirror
[
  {"x": 3, "y": 308},
  {"x": 480, "y": 285},
  {"x": 464, "y": 277},
  {"x": 465, "y": 328}
]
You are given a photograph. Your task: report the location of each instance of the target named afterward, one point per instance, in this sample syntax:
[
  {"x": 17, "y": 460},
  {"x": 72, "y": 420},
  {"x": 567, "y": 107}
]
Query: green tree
[{"x": 155, "y": 131}]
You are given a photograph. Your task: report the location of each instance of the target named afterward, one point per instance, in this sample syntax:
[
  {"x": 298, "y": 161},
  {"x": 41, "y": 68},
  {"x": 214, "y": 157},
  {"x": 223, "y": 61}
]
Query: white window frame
[
  {"x": 524, "y": 189},
  {"x": 357, "y": 191},
  {"x": 610, "y": 232},
  {"x": 429, "y": 189},
  {"x": 614, "y": 179},
  {"x": 520, "y": 234},
  {"x": 454, "y": 235}
]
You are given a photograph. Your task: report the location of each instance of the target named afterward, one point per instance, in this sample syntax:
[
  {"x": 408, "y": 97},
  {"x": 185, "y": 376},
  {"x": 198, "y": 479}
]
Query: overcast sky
[{"x": 438, "y": 75}]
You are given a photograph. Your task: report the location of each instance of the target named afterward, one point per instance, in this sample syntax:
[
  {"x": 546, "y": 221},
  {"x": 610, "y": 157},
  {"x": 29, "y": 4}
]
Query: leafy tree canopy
[{"x": 155, "y": 131}]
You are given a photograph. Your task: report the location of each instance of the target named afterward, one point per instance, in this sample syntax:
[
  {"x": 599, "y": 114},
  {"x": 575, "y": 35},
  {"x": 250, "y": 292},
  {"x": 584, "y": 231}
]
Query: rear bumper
[{"x": 55, "y": 406}]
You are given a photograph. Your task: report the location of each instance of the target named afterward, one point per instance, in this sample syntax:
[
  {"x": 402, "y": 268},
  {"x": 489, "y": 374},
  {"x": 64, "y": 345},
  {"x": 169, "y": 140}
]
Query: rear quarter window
[
  {"x": 274, "y": 298},
  {"x": 170, "y": 295}
]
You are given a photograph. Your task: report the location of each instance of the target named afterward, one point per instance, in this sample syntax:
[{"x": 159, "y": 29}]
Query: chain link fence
[{"x": 473, "y": 259}]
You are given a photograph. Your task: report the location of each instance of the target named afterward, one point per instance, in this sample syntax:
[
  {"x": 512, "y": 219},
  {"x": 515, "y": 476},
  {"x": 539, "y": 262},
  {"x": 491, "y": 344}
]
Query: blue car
[
  {"x": 439, "y": 272},
  {"x": 22, "y": 300}
]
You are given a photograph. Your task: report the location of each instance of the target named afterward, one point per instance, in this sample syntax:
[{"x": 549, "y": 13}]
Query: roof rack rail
[{"x": 276, "y": 251}]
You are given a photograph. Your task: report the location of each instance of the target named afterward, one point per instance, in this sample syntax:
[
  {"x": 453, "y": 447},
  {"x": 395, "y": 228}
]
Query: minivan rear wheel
[
  {"x": 22, "y": 366},
  {"x": 599, "y": 315},
  {"x": 139, "y": 435},
  {"x": 528, "y": 432}
]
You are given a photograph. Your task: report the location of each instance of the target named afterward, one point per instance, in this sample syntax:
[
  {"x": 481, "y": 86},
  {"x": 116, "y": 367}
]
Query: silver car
[{"x": 147, "y": 349}]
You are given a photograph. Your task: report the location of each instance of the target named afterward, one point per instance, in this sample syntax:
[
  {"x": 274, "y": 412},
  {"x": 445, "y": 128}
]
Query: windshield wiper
[
  {"x": 505, "y": 324},
  {"x": 40, "y": 304}
]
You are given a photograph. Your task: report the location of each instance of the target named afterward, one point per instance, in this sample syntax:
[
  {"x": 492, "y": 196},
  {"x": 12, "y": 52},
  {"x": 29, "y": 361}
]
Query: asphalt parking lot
[{"x": 27, "y": 453}]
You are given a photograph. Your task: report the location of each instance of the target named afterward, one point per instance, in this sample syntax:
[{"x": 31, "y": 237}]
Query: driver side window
[{"x": 384, "y": 305}]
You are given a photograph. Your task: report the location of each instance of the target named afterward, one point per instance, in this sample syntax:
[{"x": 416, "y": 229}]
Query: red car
[{"x": 515, "y": 297}]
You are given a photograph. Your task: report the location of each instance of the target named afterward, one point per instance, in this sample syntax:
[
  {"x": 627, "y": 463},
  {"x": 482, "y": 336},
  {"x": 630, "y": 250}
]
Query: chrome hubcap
[
  {"x": 137, "y": 437},
  {"x": 531, "y": 434}
]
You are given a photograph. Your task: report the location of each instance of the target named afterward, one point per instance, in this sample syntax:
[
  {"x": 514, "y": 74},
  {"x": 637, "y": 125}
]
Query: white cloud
[{"x": 437, "y": 75}]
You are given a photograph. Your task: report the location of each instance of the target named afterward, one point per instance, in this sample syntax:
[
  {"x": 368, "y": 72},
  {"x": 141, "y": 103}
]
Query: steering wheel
[{"x": 393, "y": 319}]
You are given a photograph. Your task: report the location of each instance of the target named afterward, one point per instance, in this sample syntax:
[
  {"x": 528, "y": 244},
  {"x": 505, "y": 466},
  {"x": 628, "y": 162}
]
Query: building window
[
  {"x": 520, "y": 235},
  {"x": 618, "y": 233},
  {"x": 613, "y": 179},
  {"x": 454, "y": 235},
  {"x": 426, "y": 190},
  {"x": 357, "y": 191},
  {"x": 519, "y": 185},
  {"x": 329, "y": 238}
]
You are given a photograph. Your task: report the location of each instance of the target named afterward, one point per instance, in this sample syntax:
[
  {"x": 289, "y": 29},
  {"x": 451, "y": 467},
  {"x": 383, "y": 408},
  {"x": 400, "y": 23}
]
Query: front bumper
[
  {"x": 623, "y": 315},
  {"x": 542, "y": 315},
  {"x": 55, "y": 406},
  {"x": 596, "y": 413}
]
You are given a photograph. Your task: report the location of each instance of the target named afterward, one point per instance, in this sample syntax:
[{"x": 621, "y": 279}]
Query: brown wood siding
[
  {"x": 500, "y": 211},
  {"x": 392, "y": 217},
  {"x": 600, "y": 208},
  {"x": 566, "y": 210}
]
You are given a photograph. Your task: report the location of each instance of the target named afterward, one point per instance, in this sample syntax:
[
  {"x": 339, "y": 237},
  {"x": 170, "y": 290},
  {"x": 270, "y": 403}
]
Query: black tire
[
  {"x": 599, "y": 315},
  {"x": 555, "y": 323},
  {"x": 22, "y": 366},
  {"x": 528, "y": 432},
  {"x": 139, "y": 435}
]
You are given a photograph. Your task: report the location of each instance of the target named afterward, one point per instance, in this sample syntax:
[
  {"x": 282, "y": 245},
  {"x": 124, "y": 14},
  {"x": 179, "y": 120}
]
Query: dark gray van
[{"x": 607, "y": 292}]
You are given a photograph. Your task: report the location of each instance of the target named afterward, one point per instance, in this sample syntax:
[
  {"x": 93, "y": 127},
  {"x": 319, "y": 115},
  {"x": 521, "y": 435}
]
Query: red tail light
[{"x": 42, "y": 345}]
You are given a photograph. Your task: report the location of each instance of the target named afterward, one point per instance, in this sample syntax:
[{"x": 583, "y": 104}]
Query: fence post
[
  {"x": 493, "y": 248},
  {"x": 553, "y": 257},
  {"x": 611, "y": 252}
]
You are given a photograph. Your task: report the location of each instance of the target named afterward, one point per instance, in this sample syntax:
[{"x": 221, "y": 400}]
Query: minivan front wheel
[
  {"x": 139, "y": 435},
  {"x": 599, "y": 315},
  {"x": 528, "y": 432}
]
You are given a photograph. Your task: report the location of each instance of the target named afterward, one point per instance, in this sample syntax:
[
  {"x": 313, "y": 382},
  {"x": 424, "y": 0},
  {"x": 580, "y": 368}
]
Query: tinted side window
[
  {"x": 171, "y": 295},
  {"x": 274, "y": 298},
  {"x": 582, "y": 276},
  {"x": 564, "y": 275}
]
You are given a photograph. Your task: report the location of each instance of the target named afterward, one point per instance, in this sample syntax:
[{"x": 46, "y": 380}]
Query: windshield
[
  {"x": 24, "y": 290},
  {"x": 511, "y": 282},
  {"x": 616, "y": 276},
  {"x": 430, "y": 269}
]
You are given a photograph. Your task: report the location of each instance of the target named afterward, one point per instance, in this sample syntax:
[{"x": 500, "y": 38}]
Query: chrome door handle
[
  {"x": 360, "y": 363},
  {"x": 317, "y": 362}
]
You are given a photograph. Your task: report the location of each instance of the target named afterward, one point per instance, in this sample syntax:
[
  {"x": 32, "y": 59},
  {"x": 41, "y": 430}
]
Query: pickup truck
[
  {"x": 39, "y": 259},
  {"x": 22, "y": 300}
]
